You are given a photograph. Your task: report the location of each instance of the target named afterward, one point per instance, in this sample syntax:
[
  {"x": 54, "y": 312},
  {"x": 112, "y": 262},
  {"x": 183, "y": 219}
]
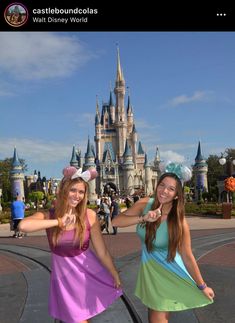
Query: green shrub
[
  {"x": 203, "y": 208},
  {"x": 3, "y": 221}
]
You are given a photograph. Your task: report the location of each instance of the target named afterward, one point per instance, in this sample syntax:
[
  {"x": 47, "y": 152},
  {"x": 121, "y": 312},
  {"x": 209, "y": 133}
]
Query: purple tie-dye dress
[{"x": 80, "y": 286}]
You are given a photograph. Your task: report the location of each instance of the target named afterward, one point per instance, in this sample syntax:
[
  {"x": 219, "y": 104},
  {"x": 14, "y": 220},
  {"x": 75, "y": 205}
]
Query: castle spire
[
  {"x": 146, "y": 162},
  {"x": 127, "y": 151},
  {"x": 129, "y": 107},
  {"x": 97, "y": 116},
  {"x": 89, "y": 152},
  {"x": 199, "y": 153},
  {"x": 73, "y": 161},
  {"x": 157, "y": 156},
  {"x": 97, "y": 105},
  {"x": 110, "y": 99},
  {"x": 140, "y": 149},
  {"x": 15, "y": 160},
  {"x": 119, "y": 69}
]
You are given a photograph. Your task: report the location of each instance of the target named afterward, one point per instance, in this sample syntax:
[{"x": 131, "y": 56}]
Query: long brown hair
[
  {"x": 174, "y": 220},
  {"x": 61, "y": 207}
]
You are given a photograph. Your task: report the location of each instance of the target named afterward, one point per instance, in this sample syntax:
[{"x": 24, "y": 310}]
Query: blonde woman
[{"x": 83, "y": 283}]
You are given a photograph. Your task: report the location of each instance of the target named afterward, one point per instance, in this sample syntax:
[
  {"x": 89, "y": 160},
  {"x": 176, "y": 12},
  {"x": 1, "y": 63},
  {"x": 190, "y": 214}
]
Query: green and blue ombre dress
[{"x": 162, "y": 285}]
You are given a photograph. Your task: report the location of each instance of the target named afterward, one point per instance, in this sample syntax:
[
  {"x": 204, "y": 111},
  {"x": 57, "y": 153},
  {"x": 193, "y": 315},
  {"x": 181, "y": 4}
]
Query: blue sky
[{"x": 182, "y": 89}]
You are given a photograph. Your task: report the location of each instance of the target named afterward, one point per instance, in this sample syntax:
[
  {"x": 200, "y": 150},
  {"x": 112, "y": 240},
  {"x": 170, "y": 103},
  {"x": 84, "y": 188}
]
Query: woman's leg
[
  {"x": 107, "y": 222},
  {"x": 158, "y": 317}
]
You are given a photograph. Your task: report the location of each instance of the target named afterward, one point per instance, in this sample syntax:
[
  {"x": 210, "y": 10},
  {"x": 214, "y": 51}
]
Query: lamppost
[
  {"x": 0, "y": 200},
  {"x": 0, "y": 193},
  {"x": 229, "y": 162}
]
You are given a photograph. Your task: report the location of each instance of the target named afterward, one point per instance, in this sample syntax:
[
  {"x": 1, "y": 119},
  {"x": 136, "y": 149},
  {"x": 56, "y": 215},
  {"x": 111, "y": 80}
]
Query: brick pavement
[
  {"x": 10, "y": 265},
  {"x": 217, "y": 266},
  {"x": 222, "y": 256},
  {"x": 122, "y": 245}
]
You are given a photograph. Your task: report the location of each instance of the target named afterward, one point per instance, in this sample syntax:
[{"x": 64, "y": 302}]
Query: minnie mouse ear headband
[
  {"x": 71, "y": 172},
  {"x": 181, "y": 171}
]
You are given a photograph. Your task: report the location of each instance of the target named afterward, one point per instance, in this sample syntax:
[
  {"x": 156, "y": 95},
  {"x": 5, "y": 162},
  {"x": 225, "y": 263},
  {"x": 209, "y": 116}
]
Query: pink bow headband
[{"x": 72, "y": 173}]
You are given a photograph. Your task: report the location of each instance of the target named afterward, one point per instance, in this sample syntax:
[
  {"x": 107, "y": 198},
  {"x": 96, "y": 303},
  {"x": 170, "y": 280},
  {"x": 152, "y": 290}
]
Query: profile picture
[{"x": 16, "y": 14}]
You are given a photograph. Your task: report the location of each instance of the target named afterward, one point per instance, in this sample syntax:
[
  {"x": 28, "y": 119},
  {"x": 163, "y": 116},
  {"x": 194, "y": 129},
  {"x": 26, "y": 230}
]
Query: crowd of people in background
[{"x": 108, "y": 207}]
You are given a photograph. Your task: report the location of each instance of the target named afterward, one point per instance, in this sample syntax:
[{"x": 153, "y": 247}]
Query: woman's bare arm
[
  {"x": 190, "y": 262},
  {"x": 100, "y": 247},
  {"x": 36, "y": 222},
  {"x": 132, "y": 215}
]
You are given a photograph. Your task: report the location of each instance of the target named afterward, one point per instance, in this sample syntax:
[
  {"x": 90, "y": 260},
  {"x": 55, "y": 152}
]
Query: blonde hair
[
  {"x": 174, "y": 220},
  {"x": 62, "y": 206}
]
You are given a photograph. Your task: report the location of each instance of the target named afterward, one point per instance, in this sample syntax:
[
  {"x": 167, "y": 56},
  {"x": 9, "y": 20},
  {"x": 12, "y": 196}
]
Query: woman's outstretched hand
[
  {"x": 153, "y": 215},
  {"x": 68, "y": 218}
]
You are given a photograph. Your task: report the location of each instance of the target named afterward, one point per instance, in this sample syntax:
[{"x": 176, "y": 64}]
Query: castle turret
[
  {"x": 129, "y": 116},
  {"x": 17, "y": 177},
  {"x": 111, "y": 108},
  {"x": 148, "y": 177},
  {"x": 97, "y": 137},
  {"x": 97, "y": 115},
  {"x": 134, "y": 138},
  {"x": 200, "y": 170},
  {"x": 128, "y": 170},
  {"x": 156, "y": 163},
  {"x": 90, "y": 163}
]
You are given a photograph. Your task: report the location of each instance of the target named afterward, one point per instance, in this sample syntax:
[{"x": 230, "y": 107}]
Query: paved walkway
[{"x": 213, "y": 242}]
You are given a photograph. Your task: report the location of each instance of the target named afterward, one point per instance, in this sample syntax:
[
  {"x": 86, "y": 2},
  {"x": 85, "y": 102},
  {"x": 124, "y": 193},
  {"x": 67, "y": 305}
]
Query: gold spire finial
[
  {"x": 97, "y": 104},
  {"x": 119, "y": 70}
]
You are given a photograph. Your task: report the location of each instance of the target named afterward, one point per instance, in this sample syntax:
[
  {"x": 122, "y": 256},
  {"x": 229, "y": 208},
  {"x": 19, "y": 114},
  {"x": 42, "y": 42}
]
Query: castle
[{"x": 118, "y": 155}]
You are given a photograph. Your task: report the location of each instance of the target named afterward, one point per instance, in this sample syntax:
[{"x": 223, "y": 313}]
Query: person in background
[
  {"x": 83, "y": 283},
  {"x": 105, "y": 208},
  {"x": 169, "y": 278},
  {"x": 17, "y": 214},
  {"x": 128, "y": 202},
  {"x": 97, "y": 202},
  {"x": 114, "y": 211}
]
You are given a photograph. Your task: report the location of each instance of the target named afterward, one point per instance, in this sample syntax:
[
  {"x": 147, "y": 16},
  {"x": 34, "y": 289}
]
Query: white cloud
[
  {"x": 169, "y": 155},
  {"x": 41, "y": 55},
  {"x": 184, "y": 99},
  {"x": 143, "y": 124},
  {"x": 179, "y": 146},
  {"x": 35, "y": 150},
  {"x": 84, "y": 120}
]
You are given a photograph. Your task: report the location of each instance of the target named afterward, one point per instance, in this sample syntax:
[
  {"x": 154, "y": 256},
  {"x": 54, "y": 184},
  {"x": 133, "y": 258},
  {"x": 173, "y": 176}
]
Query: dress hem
[
  {"x": 182, "y": 308},
  {"x": 88, "y": 316}
]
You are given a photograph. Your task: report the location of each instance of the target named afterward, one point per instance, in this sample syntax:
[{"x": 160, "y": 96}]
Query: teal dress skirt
[{"x": 161, "y": 285}]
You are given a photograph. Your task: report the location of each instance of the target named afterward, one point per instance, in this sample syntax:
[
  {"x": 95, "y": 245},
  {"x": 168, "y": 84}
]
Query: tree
[
  {"x": 229, "y": 155},
  {"x": 5, "y": 168},
  {"x": 230, "y": 152},
  {"x": 36, "y": 197},
  {"x": 215, "y": 170}
]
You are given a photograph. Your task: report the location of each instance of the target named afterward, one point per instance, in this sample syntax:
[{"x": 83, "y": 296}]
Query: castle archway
[{"x": 110, "y": 188}]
